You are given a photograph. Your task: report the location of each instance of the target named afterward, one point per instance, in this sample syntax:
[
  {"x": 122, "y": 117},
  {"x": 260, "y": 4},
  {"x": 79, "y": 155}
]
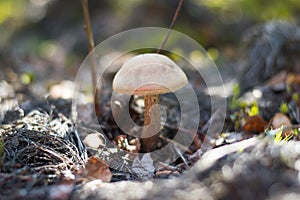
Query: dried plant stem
[
  {"x": 177, "y": 144},
  {"x": 91, "y": 46},
  {"x": 291, "y": 127},
  {"x": 171, "y": 26},
  {"x": 90, "y": 39}
]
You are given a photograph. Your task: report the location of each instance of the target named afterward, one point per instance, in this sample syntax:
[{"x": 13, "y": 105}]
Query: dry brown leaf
[
  {"x": 293, "y": 79},
  {"x": 196, "y": 142},
  {"x": 279, "y": 120},
  {"x": 97, "y": 169},
  {"x": 278, "y": 78},
  {"x": 143, "y": 167},
  {"x": 254, "y": 124}
]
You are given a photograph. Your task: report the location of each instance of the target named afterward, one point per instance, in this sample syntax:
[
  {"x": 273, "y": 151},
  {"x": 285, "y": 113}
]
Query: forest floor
[{"x": 45, "y": 154}]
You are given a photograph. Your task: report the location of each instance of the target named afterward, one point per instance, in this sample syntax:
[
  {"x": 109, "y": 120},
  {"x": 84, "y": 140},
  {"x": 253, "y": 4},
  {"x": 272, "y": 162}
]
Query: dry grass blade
[
  {"x": 40, "y": 153},
  {"x": 171, "y": 26}
]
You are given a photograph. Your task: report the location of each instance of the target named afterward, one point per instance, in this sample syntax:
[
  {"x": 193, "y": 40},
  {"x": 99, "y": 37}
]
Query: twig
[
  {"x": 181, "y": 156},
  {"x": 179, "y": 129},
  {"x": 90, "y": 39},
  {"x": 91, "y": 46},
  {"x": 176, "y": 143},
  {"x": 171, "y": 26},
  {"x": 291, "y": 127}
]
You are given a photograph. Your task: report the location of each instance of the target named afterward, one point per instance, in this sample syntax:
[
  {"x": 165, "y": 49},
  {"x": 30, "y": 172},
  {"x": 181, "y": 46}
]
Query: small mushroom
[{"x": 149, "y": 75}]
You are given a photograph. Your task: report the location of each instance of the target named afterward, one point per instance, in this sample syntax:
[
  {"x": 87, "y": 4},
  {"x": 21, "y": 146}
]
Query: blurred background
[{"x": 45, "y": 40}]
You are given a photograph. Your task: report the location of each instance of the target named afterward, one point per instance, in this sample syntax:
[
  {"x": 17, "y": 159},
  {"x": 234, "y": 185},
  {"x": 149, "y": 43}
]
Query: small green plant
[
  {"x": 27, "y": 78},
  {"x": 278, "y": 136},
  {"x": 254, "y": 109},
  {"x": 234, "y": 101},
  {"x": 296, "y": 132},
  {"x": 284, "y": 108},
  {"x": 296, "y": 98}
]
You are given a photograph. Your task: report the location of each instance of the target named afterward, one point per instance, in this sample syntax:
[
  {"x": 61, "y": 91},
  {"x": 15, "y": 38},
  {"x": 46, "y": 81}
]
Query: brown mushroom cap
[{"x": 149, "y": 74}]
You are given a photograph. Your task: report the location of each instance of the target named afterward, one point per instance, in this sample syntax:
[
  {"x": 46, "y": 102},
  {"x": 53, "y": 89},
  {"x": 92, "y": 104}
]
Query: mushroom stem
[
  {"x": 151, "y": 123},
  {"x": 150, "y": 100}
]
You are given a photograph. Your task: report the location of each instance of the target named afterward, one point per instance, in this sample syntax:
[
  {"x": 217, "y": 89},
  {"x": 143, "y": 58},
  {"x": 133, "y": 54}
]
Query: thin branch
[
  {"x": 291, "y": 127},
  {"x": 91, "y": 54},
  {"x": 90, "y": 41},
  {"x": 177, "y": 144},
  {"x": 171, "y": 26}
]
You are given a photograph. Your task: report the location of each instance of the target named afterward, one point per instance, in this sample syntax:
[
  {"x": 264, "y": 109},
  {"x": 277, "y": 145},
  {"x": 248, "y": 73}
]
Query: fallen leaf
[
  {"x": 196, "y": 142},
  {"x": 97, "y": 169},
  {"x": 278, "y": 79},
  {"x": 143, "y": 168},
  {"x": 293, "y": 79},
  {"x": 279, "y": 120},
  {"x": 254, "y": 124},
  {"x": 93, "y": 140}
]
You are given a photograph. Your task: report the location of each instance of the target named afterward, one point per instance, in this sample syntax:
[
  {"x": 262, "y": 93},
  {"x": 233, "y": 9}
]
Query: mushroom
[{"x": 149, "y": 75}]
